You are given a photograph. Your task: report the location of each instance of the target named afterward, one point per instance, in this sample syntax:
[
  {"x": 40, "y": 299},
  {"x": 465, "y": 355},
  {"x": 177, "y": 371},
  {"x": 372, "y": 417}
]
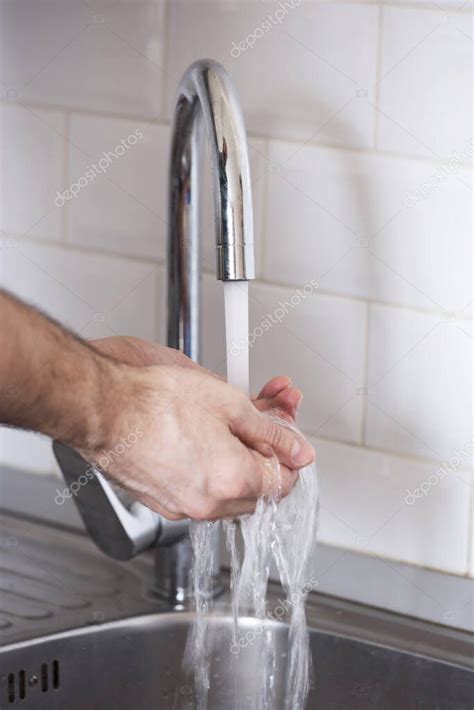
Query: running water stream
[{"x": 279, "y": 533}]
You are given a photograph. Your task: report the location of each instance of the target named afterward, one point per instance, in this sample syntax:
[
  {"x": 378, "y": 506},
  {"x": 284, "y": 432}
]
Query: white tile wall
[
  {"x": 31, "y": 171},
  {"x": 361, "y": 225},
  {"x": 307, "y": 78},
  {"x": 425, "y": 82},
  {"x": 95, "y": 295},
  {"x": 102, "y": 57},
  {"x": 123, "y": 209},
  {"x": 419, "y": 383},
  {"x": 383, "y": 348},
  {"x": 366, "y": 505}
]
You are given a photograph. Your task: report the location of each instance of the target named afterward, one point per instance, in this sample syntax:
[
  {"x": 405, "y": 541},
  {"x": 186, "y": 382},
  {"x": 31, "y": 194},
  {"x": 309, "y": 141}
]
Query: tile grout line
[
  {"x": 164, "y": 123},
  {"x": 261, "y": 280},
  {"x": 66, "y": 174},
  {"x": 378, "y": 71},
  {"x": 363, "y": 423},
  {"x": 362, "y": 299},
  {"x": 391, "y": 453},
  {"x": 470, "y": 532},
  {"x": 165, "y": 58}
]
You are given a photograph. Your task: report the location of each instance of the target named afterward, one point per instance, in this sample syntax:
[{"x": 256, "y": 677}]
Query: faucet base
[{"x": 173, "y": 574}]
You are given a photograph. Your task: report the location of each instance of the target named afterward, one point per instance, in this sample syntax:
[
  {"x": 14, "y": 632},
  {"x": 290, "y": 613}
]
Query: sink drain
[{"x": 47, "y": 679}]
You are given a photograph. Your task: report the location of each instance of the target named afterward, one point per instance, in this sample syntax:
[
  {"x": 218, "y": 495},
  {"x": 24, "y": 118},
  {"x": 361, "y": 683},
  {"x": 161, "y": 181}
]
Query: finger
[
  {"x": 260, "y": 432},
  {"x": 265, "y": 405},
  {"x": 278, "y": 393},
  {"x": 277, "y": 480},
  {"x": 277, "y": 487},
  {"x": 286, "y": 403},
  {"x": 289, "y": 400},
  {"x": 259, "y": 475},
  {"x": 274, "y": 386}
]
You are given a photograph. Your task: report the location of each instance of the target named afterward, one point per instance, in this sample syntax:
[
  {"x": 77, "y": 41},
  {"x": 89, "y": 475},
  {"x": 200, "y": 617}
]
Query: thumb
[{"x": 262, "y": 433}]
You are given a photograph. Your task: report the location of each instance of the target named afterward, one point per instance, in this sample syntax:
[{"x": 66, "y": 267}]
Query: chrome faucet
[{"x": 206, "y": 102}]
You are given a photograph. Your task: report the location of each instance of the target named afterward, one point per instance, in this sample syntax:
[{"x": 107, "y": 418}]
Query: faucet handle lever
[{"x": 119, "y": 531}]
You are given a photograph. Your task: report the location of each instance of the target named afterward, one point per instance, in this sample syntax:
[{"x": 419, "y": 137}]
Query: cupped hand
[{"x": 200, "y": 448}]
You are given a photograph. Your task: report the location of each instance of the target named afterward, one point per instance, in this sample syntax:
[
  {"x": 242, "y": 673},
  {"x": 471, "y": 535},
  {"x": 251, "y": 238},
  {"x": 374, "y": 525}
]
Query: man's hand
[
  {"x": 204, "y": 450},
  {"x": 194, "y": 446}
]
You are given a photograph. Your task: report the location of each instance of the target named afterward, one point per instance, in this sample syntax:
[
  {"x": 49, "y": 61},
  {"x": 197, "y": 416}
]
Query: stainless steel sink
[
  {"x": 136, "y": 664},
  {"x": 80, "y": 632}
]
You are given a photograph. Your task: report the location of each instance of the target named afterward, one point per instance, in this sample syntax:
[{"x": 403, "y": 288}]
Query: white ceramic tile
[
  {"x": 124, "y": 208},
  {"x": 425, "y": 82},
  {"x": 419, "y": 384},
  {"x": 307, "y": 77},
  {"x": 368, "y": 503},
  {"x": 384, "y": 228},
  {"x": 94, "y": 295},
  {"x": 319, "y": 343},
  {"x": 105, "y": 57},
  {"x": 31, "y": 143}
]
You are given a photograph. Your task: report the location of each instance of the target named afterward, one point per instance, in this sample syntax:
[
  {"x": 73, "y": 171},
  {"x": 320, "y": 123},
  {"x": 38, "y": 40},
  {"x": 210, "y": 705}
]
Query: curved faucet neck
[{"x": 206, "y": 101}]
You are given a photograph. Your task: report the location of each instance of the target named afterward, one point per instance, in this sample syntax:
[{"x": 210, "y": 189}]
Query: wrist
[{"x": 82, "y": 407}]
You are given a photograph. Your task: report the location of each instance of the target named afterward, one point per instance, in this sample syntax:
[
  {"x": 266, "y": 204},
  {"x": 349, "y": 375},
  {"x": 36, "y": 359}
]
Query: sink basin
[
  {"x": 81, "y": 632},
  {"x": 135, "y": 664}
]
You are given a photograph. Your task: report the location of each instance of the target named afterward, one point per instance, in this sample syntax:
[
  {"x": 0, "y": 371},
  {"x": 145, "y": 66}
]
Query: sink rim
[{"x": 326, "y": 615}]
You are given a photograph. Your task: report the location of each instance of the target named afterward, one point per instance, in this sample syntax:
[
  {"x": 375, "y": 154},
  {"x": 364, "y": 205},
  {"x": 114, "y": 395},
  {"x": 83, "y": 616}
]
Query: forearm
[{"x": 51, "y": 381}]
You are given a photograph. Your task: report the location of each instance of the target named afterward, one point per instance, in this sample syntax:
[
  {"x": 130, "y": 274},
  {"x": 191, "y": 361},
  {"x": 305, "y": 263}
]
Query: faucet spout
[{"x": 206, "y": 101}]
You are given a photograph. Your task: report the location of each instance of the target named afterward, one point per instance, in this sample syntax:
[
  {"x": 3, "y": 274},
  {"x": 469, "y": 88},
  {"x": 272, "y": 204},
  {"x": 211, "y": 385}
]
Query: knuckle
[
  {"x": 273, "y": 434},
  {"x": 239, "y": 418}
]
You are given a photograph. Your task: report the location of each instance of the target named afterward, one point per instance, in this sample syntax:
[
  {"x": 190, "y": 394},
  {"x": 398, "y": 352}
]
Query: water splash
[
  {"x": 280, "y": 532},
  {"x": 283, "y": 532},
  {"x": 198, "y": 647}
]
